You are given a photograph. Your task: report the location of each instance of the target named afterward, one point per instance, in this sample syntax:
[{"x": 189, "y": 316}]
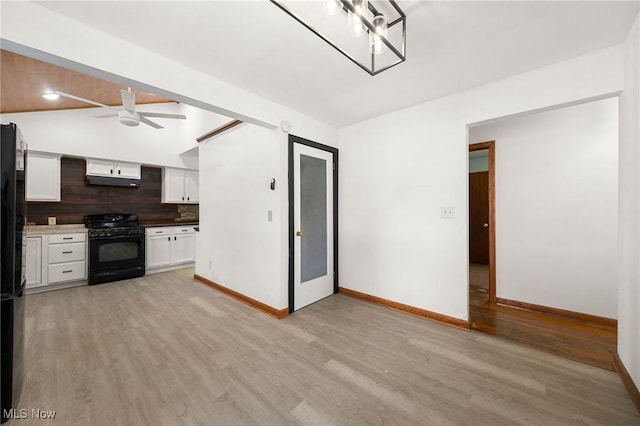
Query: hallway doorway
[{"x": 585, "y": 338}]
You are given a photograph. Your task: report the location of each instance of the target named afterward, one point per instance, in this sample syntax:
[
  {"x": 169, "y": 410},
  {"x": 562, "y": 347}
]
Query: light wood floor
[
  {"x": 166, "y": 350},
  {"x": 594, "y": 344}
]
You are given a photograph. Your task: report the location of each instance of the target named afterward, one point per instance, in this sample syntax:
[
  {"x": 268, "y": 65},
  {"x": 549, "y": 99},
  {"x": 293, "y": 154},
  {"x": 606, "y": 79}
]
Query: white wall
[
  {"x": 556, "y": 206},
  {"x": 629, "y": 212},
  {"x": 398, "y": 170},
  {"x": 242, "y": 246},
  {"x": 77, "y": 132}
]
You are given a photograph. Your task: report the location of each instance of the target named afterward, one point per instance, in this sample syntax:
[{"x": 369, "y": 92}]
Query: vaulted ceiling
[
  {"x": 451, "y": 46},
  {"x": 24, "y": 80}
]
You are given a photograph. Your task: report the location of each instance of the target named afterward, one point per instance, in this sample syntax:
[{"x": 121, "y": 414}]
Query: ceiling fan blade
[
  {"x": 77, "y": 98},
  {"x": 128, "y": 100},
  {"x": 162, "y": 115},
  {"x": 105, "y": 116},
  {"x": 150, "y": 123}
]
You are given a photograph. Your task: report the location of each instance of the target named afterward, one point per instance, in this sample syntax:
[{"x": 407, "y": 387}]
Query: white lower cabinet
[
  {"x": 56, "y": 260},
  {"x": 71, "y": 252},
  {"x": 184, "y": 247},
  {"x": 169, "y": 247},
  {"x": 61, "y": 272},
  {"x": 34, "y": 261},
  {"x": 158, "y": 248}
]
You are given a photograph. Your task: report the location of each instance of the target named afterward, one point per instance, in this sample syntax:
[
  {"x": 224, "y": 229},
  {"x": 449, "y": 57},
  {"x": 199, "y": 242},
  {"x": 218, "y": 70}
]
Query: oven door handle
[{"x": 117, "y": 237}]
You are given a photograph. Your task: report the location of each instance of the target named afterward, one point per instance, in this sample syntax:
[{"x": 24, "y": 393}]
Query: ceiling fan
[{"x": 127, "y": 114}]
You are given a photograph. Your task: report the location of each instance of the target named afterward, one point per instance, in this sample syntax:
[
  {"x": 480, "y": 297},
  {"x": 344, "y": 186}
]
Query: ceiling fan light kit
[
  {"x": 51, "y": 96},
  {"x": 128, "y": 118},
  {"x": 382, "y": 20},
  {"x": 127, "y": 115}
]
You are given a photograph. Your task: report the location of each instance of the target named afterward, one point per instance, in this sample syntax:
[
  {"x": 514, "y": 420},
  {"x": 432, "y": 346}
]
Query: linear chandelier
[{"x": 374, "y": 37}]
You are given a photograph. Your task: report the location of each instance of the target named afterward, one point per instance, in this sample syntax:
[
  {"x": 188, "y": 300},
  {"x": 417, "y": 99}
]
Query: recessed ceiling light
[{"x": 51, "y": 96}]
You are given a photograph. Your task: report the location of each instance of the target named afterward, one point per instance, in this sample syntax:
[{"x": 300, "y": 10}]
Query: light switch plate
[
  {"x": 51, "y": 220},
  {"x": 448, "y": 212}
]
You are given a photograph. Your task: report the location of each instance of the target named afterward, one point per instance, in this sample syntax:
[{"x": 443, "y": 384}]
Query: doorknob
[
  {"x": 485, "y": 225},
  {"x": 299, "y": 234}
]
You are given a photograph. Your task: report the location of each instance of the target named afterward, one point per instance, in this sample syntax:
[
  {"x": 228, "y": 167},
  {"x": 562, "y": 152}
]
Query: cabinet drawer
[
  {"x": 151, "y": 232},
  {"x": 183, "y": 230},
  {"x": 72, "y": 252},
  {"x": 67, "y": 238},
  {"x": 67, "y": 272}
]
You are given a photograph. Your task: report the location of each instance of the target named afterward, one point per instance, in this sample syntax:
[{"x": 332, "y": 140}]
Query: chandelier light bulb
[
  {"x": 332, "y": 7},
  {"x": 376, "y": 46},
  {"x": 354, "y": 20}
]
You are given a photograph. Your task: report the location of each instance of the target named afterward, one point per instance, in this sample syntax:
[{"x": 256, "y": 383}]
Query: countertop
[
  {"x": 79, "y": 227},
  {"x": 174, "y": 223},
  {"x": 54, "y": 229}
]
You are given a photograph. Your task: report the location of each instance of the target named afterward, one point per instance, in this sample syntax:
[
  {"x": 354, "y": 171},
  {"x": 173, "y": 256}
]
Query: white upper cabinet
[
  {"x": 173, "y": 185},
  {"x": 99, "y": 167},
  {"x": 109, "y": 168},
  {"x": 180, "y": 186},
  {"x": 43, "y": 177},
  {"x": 128, "y": 170},
  {"x": 191, "y": 186}
]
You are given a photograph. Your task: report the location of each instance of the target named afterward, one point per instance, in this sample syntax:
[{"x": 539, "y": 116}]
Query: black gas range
[{"x": 116, "y": 247}]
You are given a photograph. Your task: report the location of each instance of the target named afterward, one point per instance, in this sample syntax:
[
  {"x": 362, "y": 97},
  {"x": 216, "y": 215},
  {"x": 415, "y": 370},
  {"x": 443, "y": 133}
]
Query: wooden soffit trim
[{"x": 215, "y": 132}]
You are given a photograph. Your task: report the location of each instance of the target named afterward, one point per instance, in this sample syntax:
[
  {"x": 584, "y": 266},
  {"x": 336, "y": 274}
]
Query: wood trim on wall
[
  {"x": 445, "y": 319},
  {"x": 277, "y": 313},
  {"x": 628, "y": 382},
  {"x": 594, "y": 319},
  {"x": 215, "y": 132},
  {"x": 491, "y": 146}
]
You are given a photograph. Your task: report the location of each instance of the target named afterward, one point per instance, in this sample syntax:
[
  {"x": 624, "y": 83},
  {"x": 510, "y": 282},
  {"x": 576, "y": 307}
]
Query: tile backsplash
[{"x": 188, "y": 212}]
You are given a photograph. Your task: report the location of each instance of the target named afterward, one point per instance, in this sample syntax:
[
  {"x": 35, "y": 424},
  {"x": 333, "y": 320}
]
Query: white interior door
[{"x": 313, "y": 225}]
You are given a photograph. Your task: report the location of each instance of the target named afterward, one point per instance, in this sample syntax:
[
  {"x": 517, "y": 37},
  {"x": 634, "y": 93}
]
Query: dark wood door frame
[
  {"x": 334, "y": 151},
  {"x": 490, "y": 145}
]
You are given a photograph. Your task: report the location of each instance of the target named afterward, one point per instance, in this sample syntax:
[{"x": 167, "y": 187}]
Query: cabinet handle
[
  {"x": 67, "y": 271},
  {"x": 169, "y": 239},
  {"x": 119, "y": 171},
  {"x": 67, "y": 252},
  {"x": 188, "y": 198},
  {"x": 158, "y": 232},
  {"x": 111, "y": 171},
  {"x": 67, "y": 238},
  {"x": 175, "y": 238},
  {"x": 182, "y": 198}
]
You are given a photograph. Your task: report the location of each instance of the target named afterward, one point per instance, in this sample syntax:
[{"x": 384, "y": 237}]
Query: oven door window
[{"x": 117, "y": 252}]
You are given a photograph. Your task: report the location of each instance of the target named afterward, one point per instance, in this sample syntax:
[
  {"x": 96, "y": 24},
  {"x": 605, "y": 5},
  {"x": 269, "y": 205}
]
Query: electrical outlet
[
  {"x": 448, "y": 212},
  {"x": 51, "y": 220}
]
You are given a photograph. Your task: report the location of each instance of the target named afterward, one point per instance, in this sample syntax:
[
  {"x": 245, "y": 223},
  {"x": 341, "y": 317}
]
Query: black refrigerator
[{"x": 12, "y": 274}]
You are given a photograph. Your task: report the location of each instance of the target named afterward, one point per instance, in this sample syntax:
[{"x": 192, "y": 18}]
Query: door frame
[
  {"x": 334, "y": 151},
  {"x": 489, "y": 145}
]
